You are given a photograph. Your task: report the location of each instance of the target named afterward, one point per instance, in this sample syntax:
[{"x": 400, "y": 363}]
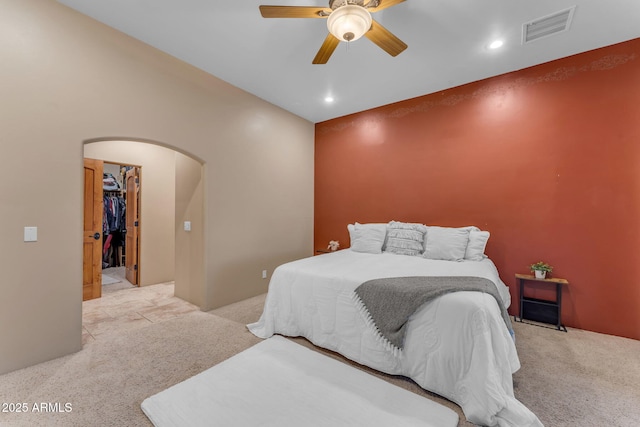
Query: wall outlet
[{"x": 264, "y": 274}]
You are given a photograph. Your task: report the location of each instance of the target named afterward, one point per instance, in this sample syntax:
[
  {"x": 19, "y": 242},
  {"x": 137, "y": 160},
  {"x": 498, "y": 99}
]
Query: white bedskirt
[{"x": 457, "y": 345}]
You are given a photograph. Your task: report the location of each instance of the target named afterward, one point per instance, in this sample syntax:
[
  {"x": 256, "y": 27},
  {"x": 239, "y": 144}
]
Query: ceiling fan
[{"x": 347, "y": 20}]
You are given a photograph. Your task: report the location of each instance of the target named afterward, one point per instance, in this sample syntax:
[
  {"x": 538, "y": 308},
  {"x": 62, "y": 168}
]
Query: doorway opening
[
  {"x": 112, "y": 227},
  {"x": 172, "y": 194}
]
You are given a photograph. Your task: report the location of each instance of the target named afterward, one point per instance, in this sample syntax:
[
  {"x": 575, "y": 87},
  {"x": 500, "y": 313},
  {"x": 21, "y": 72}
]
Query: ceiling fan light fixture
[{"x": 348, "y": 23}]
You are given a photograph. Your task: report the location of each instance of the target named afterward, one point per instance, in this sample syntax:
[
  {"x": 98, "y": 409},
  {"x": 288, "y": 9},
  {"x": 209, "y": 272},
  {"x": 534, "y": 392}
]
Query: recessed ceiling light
[
  {"x": 496, "y": 44},
  {"x": 328, "y": 99}
]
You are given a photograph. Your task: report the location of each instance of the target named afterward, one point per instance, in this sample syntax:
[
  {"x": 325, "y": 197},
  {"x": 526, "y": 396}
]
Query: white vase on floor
[{"x": 540, "y": 274}]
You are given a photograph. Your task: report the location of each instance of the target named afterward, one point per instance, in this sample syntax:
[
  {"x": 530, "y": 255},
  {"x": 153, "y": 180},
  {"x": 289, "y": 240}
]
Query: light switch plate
[
  {"x": 187, "y": 226},
  {"x": 31, "y": 234}
]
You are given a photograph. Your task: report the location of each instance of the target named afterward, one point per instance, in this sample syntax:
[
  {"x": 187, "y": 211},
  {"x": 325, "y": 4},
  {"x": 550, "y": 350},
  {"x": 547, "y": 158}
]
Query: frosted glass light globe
[{"x": 349, "y": 23}]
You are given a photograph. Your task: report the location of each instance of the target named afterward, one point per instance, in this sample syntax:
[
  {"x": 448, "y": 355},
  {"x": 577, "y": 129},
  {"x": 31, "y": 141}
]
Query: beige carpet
[
  {"x": 116, "y": 280},
  {"x": 568, "y": 379},
  {"x": 108, "y": 280}
]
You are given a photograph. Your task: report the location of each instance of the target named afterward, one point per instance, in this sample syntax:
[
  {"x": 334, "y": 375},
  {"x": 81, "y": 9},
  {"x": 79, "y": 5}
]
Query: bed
[{"x": 456, "y": 345}]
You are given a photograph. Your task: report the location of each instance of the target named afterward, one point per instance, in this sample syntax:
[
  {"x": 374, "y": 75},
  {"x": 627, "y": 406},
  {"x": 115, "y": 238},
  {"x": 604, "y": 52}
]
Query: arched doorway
[{"x": 172, "y": 194}]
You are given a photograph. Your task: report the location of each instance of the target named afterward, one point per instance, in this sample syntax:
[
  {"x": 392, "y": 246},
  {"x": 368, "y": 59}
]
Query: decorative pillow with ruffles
[{"x": 405, "y": 238}]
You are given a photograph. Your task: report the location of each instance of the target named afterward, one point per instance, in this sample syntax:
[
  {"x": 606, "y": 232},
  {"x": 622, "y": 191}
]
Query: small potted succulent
[{"x": 540, "y": 269}]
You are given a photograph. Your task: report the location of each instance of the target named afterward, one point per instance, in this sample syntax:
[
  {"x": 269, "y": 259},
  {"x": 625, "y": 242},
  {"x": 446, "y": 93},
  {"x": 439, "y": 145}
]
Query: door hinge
[
  {"x": 135, "y": 223},
  {"x": 135, "y": 267}
]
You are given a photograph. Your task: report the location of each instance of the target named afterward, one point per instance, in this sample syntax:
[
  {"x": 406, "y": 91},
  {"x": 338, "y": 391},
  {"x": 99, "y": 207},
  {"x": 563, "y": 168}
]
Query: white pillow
[
  {"x": 405, "y": 238},
  {"x": 367, "y": 238},
  {"x": 477, "y": 243},
  {"x": 467, "y": 228},
  {"x": 446, "y": 243}
]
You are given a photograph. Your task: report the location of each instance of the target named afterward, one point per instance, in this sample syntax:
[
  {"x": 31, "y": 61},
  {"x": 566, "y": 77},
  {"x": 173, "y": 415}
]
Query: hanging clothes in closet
[{"x": 113, "y": 222}]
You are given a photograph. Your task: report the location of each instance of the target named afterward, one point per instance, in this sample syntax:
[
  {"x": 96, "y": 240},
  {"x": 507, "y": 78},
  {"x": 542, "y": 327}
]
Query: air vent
[{"x": 547, "y": 26}]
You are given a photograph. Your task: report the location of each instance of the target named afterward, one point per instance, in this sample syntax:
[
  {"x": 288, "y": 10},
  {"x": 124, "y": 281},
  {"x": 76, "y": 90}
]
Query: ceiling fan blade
[
  {"x": 294, "y": 12},
  {"x": 383, "y": 4},
  {"x": 385, "y": 39},
  {"x": 327, "y": 48}
]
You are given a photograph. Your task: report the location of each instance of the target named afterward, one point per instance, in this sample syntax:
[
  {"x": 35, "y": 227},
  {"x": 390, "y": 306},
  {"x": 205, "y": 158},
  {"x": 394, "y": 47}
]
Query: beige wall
[
  {"x": 66, "y": 79},
  {"x": 157, "y": 202},
  {"x": 189, "y": 256}
]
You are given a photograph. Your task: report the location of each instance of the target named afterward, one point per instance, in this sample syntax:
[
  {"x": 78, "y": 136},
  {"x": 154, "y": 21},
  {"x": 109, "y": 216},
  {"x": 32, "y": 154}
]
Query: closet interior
[{"x": 116, "y": 247}]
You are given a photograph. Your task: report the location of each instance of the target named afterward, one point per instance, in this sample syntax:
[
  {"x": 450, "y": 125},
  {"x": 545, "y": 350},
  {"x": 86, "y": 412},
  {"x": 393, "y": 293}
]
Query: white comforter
[{"x": 457, "y": 345}]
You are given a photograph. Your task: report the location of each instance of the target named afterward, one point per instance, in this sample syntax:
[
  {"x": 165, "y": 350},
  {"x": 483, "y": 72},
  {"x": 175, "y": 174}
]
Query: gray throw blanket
[{"x": 391, "y": 301}]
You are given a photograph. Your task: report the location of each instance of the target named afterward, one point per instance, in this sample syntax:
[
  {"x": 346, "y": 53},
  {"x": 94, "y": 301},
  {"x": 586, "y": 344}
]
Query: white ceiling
[{"x": 447, "y": 40}]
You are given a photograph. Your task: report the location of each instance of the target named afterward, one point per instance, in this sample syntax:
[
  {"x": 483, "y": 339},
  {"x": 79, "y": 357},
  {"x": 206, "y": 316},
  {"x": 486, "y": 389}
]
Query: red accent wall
[{"x": 546, "y": 158}]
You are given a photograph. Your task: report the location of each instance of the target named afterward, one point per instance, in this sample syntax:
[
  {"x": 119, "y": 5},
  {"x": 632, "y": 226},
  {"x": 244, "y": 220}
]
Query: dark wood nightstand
[{"x": 540, "y": 310}]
